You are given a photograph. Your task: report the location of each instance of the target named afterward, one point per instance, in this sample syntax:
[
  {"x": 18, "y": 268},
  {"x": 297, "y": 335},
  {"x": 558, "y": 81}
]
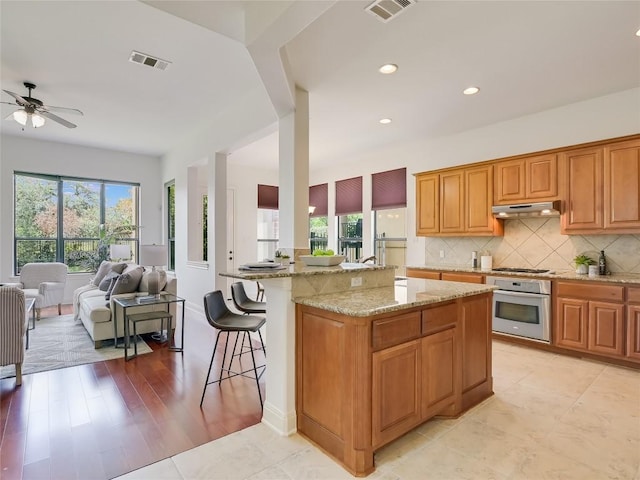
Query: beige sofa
[{"x": 97, "y": 313}]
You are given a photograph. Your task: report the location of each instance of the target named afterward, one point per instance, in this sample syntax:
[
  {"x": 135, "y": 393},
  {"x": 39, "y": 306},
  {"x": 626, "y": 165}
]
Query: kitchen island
[
  {"x": 354, "y": 367},
  {"x": 372, "y": 365}
]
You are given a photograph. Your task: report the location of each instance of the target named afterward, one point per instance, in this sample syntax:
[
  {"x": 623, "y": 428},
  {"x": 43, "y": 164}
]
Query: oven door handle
[{"x": 521, "y": 294}]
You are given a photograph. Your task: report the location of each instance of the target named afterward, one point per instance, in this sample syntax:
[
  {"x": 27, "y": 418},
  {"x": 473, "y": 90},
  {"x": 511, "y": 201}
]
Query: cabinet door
[
  {"x": 606, "y": 328},
  {"x": 584, "y": 191},
  {"x": 541, "y": 177},
  {"x": 428, "y": 204},
  {"x": 570, "y": 323},
  {"x": 396, "y": 390},
  {"x": 477, "y": 382},
  {"x": 633, "y": 332},
  {"x": 478, "y": 198},
  {"x": 622, "y": 186},
  {"x": 440, "y": 382},
  {"x": 452, "y": 202},
  {"x": 418, "y": 273},
  {"x": 509, "y": 181}
]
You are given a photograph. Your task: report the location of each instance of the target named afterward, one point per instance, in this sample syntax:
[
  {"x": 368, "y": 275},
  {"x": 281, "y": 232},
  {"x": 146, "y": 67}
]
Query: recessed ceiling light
[
  {"x": 638, "y": 33},
  {"x": 385, "y": 121},
  {"x": 388, "y": 68},
  {"x": 471, "y": 90}
]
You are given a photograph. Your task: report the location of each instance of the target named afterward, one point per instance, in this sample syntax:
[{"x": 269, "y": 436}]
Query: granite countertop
[
  {"x": 412, "y": 292},
  {"x": 299, "y": 269},
  {"x": 629, "y": 278}
]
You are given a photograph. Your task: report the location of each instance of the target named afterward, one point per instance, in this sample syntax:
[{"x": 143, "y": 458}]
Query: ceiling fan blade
[
  {"x": 56, "y": 118},
  {"x": 73, "y": 111},
  {"x": 20, "y": 100}
]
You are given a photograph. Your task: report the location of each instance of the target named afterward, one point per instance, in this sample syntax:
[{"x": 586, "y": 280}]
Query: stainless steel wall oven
[{"x": 522, "y": 307}]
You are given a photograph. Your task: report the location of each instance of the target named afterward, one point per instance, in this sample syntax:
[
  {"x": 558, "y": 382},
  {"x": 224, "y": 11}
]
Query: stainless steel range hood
[{"x": 541, "y": 209}]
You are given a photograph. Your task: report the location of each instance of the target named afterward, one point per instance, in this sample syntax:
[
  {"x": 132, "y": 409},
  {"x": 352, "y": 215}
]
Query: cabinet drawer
[
  {"x": 439, "y": 318},
  {"x": 419, "y": 273},
  {"x": 463, "y": 277},
  {"x": 633, "y": 294},
  {"x": 395, "y": 330},
  {"x": 590, "y": 292}
]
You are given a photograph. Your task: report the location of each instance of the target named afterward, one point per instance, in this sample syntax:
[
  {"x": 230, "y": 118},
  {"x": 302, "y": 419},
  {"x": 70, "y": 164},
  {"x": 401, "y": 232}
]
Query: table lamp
[
  {"x": 119, "y": 252},
  {"x": 153, "y": 256}
]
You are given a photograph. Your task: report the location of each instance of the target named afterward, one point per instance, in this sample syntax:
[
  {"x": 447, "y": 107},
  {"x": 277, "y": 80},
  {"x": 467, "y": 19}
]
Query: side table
[{"x": 126, "y": 303}]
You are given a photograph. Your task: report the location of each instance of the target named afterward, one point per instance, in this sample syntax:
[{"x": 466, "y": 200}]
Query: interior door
[{"x": 231, "y": 236}]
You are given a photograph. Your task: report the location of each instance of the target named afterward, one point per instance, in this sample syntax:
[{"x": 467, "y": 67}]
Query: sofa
[{"x": 93, "y": 304}]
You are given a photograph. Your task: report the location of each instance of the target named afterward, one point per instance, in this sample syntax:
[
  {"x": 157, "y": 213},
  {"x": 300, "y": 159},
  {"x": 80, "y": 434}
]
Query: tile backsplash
[{"x": 537, "y": 243}]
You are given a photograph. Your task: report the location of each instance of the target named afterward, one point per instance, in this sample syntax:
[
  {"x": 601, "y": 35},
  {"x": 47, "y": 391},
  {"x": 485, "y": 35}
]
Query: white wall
[{"x": 20, "y": 154}]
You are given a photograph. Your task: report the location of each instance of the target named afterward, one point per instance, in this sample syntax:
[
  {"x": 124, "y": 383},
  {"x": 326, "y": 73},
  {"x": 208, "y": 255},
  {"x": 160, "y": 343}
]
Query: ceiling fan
[{"x": 35, "y": 112}]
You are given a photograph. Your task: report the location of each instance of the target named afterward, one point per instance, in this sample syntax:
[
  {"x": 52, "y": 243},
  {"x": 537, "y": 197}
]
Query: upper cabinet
[
  {"x": 602, "y": 189},
  {"x": 532, "y": 178},
  {"x": 622, "y": 186},
  {"x": 456, "y": 202}
]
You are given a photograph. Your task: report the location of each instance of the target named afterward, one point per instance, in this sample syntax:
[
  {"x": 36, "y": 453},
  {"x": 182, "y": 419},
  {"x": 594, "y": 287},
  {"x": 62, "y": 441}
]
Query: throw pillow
[
  {"x": 144, "y": 283},
  {"x": 104, "y": 268},
  {"x": 106, "y": 281},
  {"x": 128, "y": 281}
]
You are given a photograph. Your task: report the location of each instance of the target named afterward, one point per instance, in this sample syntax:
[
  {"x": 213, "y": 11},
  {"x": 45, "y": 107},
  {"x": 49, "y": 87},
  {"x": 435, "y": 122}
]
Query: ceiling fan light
[
  {"x": 37, "y": 120},
  {"x": 21, "y": 117}
]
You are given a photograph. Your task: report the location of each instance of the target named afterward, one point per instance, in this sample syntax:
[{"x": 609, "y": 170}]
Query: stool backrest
[
  {"x": 215, "y": 307},
  {"x": 239, "y": 294}
]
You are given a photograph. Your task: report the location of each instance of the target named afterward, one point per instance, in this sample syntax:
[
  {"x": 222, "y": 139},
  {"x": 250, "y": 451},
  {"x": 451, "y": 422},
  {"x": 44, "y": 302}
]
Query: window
[
  {"x": 389, "y": 205},
  {"x": 318, "y": 220},
  {"x": 71, "y": 220},
  {"x": 268, "y": 222},
  {"x": 349, "y": 211},
  {"x": 171, "y": 224}
]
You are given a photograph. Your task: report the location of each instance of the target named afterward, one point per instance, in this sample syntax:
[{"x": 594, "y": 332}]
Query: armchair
[
  {"x": 45, "y": 282},
  {"x": 13, "y": 326}
]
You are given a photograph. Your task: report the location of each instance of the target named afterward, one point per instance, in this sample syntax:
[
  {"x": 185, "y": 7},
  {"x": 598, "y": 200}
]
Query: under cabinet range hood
[{"x": 540, "y": 209}]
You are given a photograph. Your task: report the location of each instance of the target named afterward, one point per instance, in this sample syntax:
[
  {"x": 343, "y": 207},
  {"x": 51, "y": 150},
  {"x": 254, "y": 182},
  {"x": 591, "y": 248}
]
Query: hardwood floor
[{"x": 101, "y": 420}]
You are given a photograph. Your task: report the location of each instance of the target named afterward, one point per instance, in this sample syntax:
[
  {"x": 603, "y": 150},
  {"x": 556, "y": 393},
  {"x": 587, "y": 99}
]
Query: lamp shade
[
  {"x": 119, "y": 252},
  {"x": 153, "y": 255}
]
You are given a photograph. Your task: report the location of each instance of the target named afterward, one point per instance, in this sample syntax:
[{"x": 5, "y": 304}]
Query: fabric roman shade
[
  {"x": 319, "y": 198},
  {"x": 389, "y": 189},
  {"x": 268, "y": 197},
  {"x": 349, "y": 196}
]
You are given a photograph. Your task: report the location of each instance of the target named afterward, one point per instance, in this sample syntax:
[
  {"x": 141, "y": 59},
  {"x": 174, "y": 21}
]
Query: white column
[
  {"x": 280, "y": 403},
  {"x": 293, "y": 182}
]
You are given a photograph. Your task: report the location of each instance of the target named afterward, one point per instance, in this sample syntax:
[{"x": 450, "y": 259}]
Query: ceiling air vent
[
  {"x": 385, "y": 10},
  {"x": 148, "y": 60}
]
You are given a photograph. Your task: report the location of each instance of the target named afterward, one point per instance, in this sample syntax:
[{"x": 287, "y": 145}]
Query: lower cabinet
[
  {"x": 633, "y": 332},
  {"x": 440, "y": 364},
  {"x": 397, "y": 376},
  {"x": 585, "y": 320},
  {"x": 362, "y": 382}
]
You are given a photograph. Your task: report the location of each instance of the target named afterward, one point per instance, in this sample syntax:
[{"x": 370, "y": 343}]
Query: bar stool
[
  {"x": 247, "y": 306},
  {"x": 221, "y": 318}
]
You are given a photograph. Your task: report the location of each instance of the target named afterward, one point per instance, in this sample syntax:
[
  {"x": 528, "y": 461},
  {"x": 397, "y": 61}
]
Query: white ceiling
[{"x": 525, "y": 57}]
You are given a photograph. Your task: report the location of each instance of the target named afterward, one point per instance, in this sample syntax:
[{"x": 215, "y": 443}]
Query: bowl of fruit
[{"x": 322, "y": 258}]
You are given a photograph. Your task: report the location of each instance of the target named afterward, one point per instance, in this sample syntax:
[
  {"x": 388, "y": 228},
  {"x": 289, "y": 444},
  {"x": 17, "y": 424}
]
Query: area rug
[{"x": 59, "y": 342}]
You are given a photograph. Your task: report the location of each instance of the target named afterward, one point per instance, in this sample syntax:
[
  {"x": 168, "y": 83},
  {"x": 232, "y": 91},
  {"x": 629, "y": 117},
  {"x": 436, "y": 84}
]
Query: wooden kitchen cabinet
[
  {"x": 633, "y": 324},
  {"x": 532, "y": 178},
  {"x": 440, "y": 384},
  {"x": 452, "y": 202},
  {"x": 584, "y": 192},
  {"x": 622, "y": 186},
  {"x": 606, "y": 328},
  {"x": 396, "y": 387},
  {"x": 590, "y": 317},
  {"x": 455, "y": 202},
  {"x": 602, "y": 189},
  {"x": 428, "y": 203},
  {"x": 475, "y": 323}
]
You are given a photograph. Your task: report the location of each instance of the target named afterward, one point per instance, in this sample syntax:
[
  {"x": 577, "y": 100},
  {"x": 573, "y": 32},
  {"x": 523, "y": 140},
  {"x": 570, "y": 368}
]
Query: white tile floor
[{"x": 552, "y": 417}]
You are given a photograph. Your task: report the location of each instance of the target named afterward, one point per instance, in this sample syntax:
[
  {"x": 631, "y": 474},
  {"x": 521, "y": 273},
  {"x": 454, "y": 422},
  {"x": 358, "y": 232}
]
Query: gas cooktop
[{"x": 520, "y": 270}]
